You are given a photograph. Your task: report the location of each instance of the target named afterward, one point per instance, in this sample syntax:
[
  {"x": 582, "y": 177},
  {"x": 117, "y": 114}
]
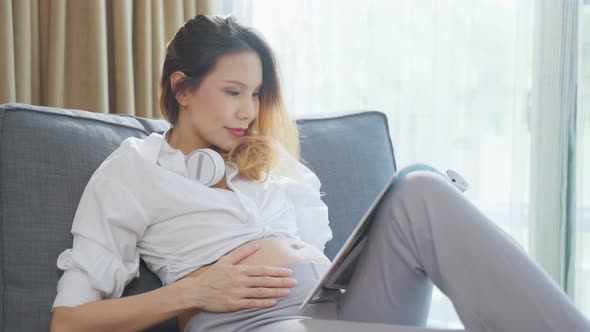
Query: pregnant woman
[{"x": 222, "y": 211}]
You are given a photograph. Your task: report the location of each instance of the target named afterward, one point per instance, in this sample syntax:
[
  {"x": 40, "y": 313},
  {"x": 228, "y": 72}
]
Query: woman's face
[{"x": 226, "y": 98}]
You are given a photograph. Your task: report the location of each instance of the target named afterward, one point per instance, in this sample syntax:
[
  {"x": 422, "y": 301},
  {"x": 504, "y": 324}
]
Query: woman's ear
[{"x": 175, "y": 79}]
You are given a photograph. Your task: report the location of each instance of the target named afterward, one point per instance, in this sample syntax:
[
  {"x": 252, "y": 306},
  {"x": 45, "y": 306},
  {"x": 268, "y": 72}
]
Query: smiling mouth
[{"x": 236, "y": 132}]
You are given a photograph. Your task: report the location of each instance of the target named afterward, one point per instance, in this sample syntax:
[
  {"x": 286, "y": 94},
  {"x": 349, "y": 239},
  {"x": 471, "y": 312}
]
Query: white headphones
[{"x": 205, "y": 166}]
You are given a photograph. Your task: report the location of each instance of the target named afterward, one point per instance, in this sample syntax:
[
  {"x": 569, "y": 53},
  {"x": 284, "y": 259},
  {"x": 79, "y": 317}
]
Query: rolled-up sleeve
[
  {"x": 104, "y": 257},
  {"x": 304, "y": 192}
]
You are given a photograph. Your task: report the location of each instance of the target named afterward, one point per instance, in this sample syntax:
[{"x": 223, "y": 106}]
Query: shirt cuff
[{"x": 74, "y": 289}]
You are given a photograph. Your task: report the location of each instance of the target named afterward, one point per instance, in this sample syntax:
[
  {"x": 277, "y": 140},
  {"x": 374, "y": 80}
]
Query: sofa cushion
[{"x": 352, "y": 155}]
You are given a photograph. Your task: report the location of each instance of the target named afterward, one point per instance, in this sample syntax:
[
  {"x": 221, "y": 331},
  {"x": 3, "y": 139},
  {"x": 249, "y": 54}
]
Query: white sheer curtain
[
  {"x": 582, "y": 266},
  {"x": 454, "y": 78}
]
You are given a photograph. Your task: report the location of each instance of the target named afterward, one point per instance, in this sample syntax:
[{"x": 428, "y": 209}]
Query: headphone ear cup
[{"x": 205, "y": 166}]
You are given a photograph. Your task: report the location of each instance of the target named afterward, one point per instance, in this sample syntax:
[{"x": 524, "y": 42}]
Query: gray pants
[{"x": 426, "y": 230}]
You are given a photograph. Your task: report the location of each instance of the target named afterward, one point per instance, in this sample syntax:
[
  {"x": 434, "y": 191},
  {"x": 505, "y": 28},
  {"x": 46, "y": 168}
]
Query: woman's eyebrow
[{"x": 241, "y": 83}]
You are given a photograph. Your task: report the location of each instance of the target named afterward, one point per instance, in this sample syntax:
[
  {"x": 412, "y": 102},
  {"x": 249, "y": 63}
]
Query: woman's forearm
[{"x": 131, "y": 313}]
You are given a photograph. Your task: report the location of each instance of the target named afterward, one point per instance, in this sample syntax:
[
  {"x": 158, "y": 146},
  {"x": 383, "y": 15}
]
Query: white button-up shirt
[{"x": 141, "y": 203}]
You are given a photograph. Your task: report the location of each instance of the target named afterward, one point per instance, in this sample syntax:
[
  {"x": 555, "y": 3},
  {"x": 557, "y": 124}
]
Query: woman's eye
[{"x": 233, "y": 93}]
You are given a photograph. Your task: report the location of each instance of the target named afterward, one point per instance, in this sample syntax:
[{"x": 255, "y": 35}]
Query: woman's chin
[
  {"x": 227, "y": 146},
  {"x": 221, "y": 148}
]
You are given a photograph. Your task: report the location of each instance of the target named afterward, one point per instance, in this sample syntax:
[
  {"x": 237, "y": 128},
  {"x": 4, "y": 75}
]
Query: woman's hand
[{"x": 226, "y": 286}]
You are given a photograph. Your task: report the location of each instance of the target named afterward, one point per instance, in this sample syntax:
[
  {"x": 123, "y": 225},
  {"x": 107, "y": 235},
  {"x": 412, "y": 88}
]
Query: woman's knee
[
  {"x": 419, "y": 181},
  {"x": 415, "y": 194}
]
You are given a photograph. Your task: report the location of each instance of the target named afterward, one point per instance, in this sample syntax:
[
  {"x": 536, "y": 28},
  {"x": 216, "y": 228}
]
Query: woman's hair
[{"x": 194, "y": 50}]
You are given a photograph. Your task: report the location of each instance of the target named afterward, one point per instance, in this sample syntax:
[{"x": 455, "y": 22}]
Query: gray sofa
[{"x": 48, "y": 154}]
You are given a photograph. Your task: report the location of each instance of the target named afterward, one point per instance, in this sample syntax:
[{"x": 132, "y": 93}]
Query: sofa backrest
[{"x": 47, "y": 156}]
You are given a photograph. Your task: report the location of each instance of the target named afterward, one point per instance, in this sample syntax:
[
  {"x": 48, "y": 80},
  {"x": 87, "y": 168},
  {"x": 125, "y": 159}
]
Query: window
[{"x": 453, "y": 77}]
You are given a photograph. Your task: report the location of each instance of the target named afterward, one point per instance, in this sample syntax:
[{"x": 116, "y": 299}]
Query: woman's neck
[{"x": 179, "y": 141}]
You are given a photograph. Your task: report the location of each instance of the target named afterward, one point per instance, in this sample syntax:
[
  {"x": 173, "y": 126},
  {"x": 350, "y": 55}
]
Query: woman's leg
[{"x": 426, "y": 228}]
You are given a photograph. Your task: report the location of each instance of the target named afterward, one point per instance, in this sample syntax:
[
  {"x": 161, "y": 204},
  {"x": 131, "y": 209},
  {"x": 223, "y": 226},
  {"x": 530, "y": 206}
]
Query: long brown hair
[{"x": 194, "y": 50}]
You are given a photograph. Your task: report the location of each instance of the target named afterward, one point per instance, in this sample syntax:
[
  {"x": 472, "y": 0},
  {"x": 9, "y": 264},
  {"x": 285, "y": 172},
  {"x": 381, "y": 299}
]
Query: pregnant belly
[
  {"x": 272, "y": 251},
  {"x": 276, "y": 251}
]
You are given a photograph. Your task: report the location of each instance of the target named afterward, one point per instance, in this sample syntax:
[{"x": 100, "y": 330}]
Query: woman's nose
[{"x": 247, "y": 109}]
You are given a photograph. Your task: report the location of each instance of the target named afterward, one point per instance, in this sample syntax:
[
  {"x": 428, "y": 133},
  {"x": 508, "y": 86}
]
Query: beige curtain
[{"x": 96, "y": 55}]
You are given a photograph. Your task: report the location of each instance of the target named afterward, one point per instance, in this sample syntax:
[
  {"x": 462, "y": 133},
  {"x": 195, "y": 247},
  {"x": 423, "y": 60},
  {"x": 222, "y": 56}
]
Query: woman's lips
[{"x": 236, "y": 132}]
